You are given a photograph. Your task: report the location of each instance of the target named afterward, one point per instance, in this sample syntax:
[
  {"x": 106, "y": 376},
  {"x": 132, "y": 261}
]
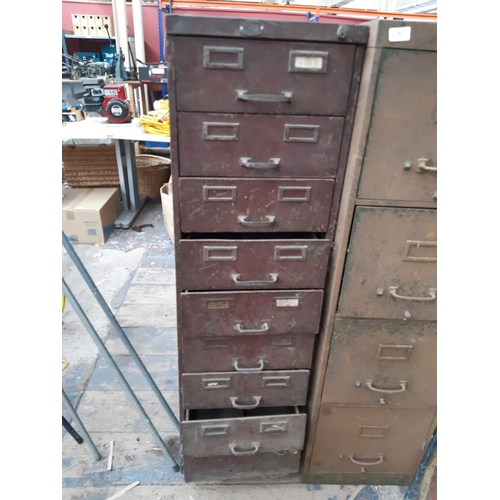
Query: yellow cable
[{"x": 65, "y": 364}]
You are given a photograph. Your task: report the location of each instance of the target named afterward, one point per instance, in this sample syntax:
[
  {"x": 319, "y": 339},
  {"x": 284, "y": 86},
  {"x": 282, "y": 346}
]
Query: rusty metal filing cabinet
[
  {"x": 261, "y": 117},
  {"x": 372, "y": 409}
]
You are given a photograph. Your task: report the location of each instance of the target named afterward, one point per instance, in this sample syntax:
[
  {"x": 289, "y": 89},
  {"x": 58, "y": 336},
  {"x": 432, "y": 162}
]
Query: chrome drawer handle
[
  {"x": 258, "y": 369},
  {"x": 285, "y": 96},
  {"x": 375, "y": 462},
  {"x": 256, "y": 165},
  {"x": 423, "y": 167},
  {"x": 269, "y": 221},
  {"x": 236, "y": 279},
  {"x": 431, "y": 297},
  {"x": 262, "y": 329},
  {"x": 255, "y": 445},
  {"x": 256, "y": 400},
  {"x": 402, "y": 385}
]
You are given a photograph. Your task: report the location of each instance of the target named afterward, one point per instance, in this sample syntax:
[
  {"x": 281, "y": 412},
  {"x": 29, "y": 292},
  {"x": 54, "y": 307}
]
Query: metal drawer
[
  {"x": 371, "y": 441},
  {"x": 382, "y": 362},
  {"x": 267, "y": 352},
  {"x": 208, "y": 314},
  {"x": 237, "y": 433},
  {"x": 262, "y": 76},
  {"x": 255, "y": 205},
  {"x": 228, "y": 469},
  {"x": 258, "y": 145},
  {"x": 390, "y": 271},
  {"x": 401, "y": 152},
  {"x": 245, "y": 390},
  {"x": 250, "y": 264}
]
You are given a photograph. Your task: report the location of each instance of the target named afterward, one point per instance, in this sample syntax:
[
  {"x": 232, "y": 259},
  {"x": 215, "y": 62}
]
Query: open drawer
[{"x": 243, "y": 433}]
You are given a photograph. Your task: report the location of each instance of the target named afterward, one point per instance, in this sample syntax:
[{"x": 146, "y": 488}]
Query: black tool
[{"x": 72, "y": 431}]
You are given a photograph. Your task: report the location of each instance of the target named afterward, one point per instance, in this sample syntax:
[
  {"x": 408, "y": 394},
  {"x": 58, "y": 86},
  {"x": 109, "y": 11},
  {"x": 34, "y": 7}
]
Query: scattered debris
[
  {"x": 140, "y": 228},
  {"x": 97, "y": 255},
  {"x": 110, "y": 457},
  {"x": 155, "y": 448},
  {"x": 122, "y": 492},
  {"x": 191, "y": 497},
  {"x": 101, "y": 282}
]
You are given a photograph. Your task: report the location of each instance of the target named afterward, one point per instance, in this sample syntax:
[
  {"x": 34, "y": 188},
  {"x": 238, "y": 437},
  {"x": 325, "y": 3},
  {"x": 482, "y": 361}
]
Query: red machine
[{"x": 115, "y": 105}]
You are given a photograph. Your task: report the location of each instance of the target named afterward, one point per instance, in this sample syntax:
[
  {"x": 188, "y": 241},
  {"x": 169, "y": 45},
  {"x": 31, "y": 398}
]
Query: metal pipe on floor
[
  {"x": 81, "y": 427},
  {"x": 118, "y": 329},
  {"x": 112, "y": 364}
]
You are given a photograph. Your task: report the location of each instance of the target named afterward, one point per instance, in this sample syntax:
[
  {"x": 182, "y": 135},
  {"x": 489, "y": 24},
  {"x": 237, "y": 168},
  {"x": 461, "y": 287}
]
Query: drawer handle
[
  {"x": 236, "y": 279},
  {"x": 255, "y": 445},
  {"x": 262, "y": 329},
  {"x": 256, "y": 403},
  {"x": 285, "y": 96},
  {"x": 258, "y": 165},
  {"x": 387, "y": 391},
  {"x": 258, "y": 369},
  {"x": 432, "y": 295},
  {"x": 269, "y": 221},
  {"x": 423, "y": 167},
  {"x": 374, "y": 462}
]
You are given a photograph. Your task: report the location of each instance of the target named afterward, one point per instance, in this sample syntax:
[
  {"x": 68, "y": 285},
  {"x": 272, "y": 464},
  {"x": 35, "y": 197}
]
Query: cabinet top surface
[{"x": 266, "y": 29}]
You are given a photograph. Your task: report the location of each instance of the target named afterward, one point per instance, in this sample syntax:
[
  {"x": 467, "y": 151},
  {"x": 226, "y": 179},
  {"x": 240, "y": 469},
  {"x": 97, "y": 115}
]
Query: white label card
[
  {"x": 302, "y": 62},
  {"x": 402, "y": 34},
  {"x": 287, "y": 302}
]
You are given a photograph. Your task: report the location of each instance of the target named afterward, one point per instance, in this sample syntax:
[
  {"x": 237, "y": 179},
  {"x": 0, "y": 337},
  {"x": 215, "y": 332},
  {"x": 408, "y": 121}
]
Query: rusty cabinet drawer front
[
  {"x": 382, "y": 362},
  {"x": 222, "y": 469},
  {"x": 400, "y": 156},
  {"x": 207, "y": 314},
  {"x": 258, "y": 145},
  {"x": 243, "y": 436},
  {"x": 390, "y": 271},
  {"x": 262, "y": 76},
  {"x": 370, "y": 440},
  {"x": 255, "y": 205},
  {"x": 244, "y": 390},
  {"x": 252, "y": 264},
  {"x": 271, "y": 352}
]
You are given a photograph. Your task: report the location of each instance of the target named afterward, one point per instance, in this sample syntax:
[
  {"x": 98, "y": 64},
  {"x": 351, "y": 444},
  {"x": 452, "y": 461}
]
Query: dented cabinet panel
[
  {"x": 388, "y": 363},
  {"x": 245, "y": 390},
  {"x": 390, "y": 271},
  {"x": 256, "y": 76},
  {"x": 214, "y": 314},
  {"x": 273, "y": 352},
  {"x": 371, "y": 441},
  {"x": 240, "y": 205},
  {"x": 235, "y": 145},
  {"x": 252, "y": 264},
  {"x": 400, "y": 160}
]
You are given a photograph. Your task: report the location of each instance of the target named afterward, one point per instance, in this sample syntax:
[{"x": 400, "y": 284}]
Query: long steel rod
[
  {"x": 118, "y": 329},
  {"x": 81, "y": 427},
  {"x": 111, "y": 362}
]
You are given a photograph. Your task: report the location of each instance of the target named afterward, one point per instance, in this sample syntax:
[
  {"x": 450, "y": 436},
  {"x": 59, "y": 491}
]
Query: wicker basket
[
  {"x": 90, "y": 166},
  {"x": 152, "y": 172}
]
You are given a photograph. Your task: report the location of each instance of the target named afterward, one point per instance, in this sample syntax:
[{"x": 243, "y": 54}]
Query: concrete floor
[{"x": 138, "y": 269}]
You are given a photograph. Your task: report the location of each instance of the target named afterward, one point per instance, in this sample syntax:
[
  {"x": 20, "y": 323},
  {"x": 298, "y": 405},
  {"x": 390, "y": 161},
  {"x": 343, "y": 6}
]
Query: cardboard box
[
  {"x": 73, "y": 115},
  {"x": 167, "y": 206},
  {"x": 88, "y": 215}
]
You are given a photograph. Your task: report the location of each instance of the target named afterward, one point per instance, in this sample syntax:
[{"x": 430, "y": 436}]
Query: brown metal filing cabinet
[
  {"x": 372, "y": 409},
  {"x": 262, "y": 114}
]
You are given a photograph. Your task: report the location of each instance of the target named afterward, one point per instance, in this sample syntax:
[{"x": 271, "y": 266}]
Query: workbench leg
[
  {"x": 122, "y": 174},
  {"x": 135, "y": 202}
]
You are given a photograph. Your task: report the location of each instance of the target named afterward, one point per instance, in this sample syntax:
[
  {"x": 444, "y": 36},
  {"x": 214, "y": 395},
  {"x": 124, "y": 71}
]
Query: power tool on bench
[{"x": 107, "y": 99}]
